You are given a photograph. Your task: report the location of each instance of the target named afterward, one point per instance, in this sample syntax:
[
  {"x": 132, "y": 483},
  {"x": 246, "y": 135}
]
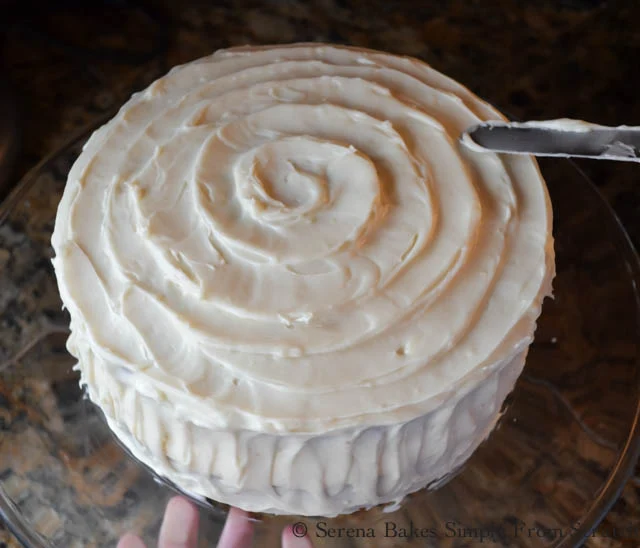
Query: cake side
[{"x": 310, "y": 474}]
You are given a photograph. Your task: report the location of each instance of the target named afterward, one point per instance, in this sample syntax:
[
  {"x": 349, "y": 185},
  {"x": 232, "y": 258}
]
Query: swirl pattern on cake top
[{"x": 295, "y": 235}]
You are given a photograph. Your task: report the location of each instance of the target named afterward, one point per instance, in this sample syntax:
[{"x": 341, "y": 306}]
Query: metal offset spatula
[{"x": 564, "y": 137}]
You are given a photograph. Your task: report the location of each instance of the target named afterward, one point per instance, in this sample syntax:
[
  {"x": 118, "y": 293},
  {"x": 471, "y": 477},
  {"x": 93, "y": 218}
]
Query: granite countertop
[{"x": 534, "y": 60}]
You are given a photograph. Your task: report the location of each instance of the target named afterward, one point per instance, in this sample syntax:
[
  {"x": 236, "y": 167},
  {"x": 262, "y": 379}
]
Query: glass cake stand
[{"x": 546, "y": 477}]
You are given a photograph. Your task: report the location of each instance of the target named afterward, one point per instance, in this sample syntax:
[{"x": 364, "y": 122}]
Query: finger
[
  {"x": 180, "y": 525},
  {"x": 290, "y": 540},
  {"x": 238, "y": 530},
  {"x": 130, "y": 541}
]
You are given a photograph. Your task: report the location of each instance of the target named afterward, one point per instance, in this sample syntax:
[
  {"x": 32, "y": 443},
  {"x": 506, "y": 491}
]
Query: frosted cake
[{"x": 291, "y": 288}]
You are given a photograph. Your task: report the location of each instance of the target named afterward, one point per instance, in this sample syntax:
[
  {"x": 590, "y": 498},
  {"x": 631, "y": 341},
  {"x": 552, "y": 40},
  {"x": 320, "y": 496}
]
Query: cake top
[{"x": 292, "y": 238}]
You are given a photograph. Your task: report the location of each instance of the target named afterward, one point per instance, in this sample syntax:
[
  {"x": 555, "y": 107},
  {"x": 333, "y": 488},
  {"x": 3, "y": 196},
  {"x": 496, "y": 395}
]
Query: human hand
[{"x": 180, "y": 530}]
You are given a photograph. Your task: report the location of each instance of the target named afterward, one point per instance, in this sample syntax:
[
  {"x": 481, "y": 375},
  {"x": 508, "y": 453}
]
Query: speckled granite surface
[{"x": 532, "y": 59}]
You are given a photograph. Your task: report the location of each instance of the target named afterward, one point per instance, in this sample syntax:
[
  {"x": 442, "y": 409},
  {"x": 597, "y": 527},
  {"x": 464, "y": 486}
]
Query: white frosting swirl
[{"x": 292, "y": 240}]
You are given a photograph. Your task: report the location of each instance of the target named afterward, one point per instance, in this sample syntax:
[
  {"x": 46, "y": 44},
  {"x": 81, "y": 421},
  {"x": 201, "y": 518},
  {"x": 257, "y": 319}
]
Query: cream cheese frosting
[{"x": 277, "y": 254}]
